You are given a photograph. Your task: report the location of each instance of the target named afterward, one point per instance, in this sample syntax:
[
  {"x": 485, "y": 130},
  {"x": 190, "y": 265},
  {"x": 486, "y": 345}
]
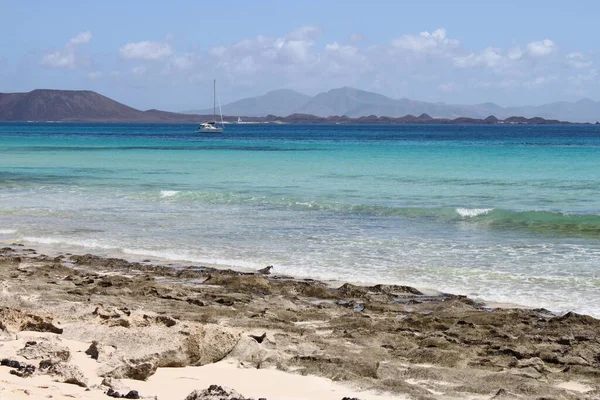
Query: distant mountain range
[
  {"x": 340, "y": 106},
  {"x": 357, "y": 103}
]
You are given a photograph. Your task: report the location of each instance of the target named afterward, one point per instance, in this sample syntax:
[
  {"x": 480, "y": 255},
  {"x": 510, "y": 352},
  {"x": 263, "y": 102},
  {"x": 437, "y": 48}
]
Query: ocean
[{"x": 501, "y": 213}]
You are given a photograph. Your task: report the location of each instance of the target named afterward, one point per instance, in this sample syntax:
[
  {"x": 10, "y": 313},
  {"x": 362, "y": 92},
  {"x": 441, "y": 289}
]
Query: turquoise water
[{"x": 500, "y": 213}]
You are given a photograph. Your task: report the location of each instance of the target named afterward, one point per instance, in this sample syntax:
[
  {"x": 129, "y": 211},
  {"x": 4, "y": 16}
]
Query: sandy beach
[{"x": 91, "y": 325}]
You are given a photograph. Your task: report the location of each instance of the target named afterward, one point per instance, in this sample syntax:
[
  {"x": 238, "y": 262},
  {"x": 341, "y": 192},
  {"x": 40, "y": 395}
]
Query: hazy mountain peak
[
  {"x": 283, "y": 92},
  {"x": 586, "y": 101},
  {"x": 280, "y": 102},
  {"x": 488, "y": 104}
]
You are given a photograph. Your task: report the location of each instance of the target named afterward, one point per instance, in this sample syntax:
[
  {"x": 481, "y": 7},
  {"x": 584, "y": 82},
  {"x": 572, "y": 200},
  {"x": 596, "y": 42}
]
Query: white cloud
[
  {"x": 81, "y": 38},
  {"x": 306, "y": 32},
  {"x": 490, "y": 58},
  {"x": 264, "y": 53},
  {"x": 515, "y": 61},
  {"x": 342, "y": 59},
  {"x": 541, "y": 48},
  {"x": 218, "y": 51},
  {"x": 585, "y": 78},
  {"x": 68, "y": 57},
  {"x": 498, "y": 84},
  {"x": 449, "y": 87},
  {"x": 343, "y": 50},
  {"x": 184, "y": 62},
  {"x": 578, "y": 60},
  {"x": 540, "y": 81},
  {"x": 515, "y": 53},
  {"x": 95, "y": 75},
  {"x": 435, "y": 42},
  {"x": 145, "y": 50},
  {"x": 293, "y": 51},
  {"x": 60, "y": 59}
]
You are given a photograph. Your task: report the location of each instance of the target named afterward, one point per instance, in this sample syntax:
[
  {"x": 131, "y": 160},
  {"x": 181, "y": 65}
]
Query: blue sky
[{"x": 155, "y": 54}]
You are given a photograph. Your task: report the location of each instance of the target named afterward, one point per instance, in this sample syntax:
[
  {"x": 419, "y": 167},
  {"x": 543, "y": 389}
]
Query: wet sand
[{"x": 162, "y": 331}]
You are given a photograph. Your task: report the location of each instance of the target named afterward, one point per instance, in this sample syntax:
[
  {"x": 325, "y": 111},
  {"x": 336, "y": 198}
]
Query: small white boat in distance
[{"x": 212, "y": 127}]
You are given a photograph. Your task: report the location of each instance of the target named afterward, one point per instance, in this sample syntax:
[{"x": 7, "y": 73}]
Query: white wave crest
[
  {"x": 7, "y": 231},
  {"x": 168, "y": 193},
  {"x": 190, "y": 256},
  {"x": 92, "y": 244},
  {"x": 473, "y": 212}
]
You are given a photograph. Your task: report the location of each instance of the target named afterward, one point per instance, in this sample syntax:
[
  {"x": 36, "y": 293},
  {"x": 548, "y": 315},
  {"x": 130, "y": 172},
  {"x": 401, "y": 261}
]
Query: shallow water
[{"x": 502, "y": 213}]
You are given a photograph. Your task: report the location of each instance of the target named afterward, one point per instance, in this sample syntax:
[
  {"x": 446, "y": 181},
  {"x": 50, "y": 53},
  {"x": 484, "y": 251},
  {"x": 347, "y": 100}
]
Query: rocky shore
[{"x": 83, "y": 326}]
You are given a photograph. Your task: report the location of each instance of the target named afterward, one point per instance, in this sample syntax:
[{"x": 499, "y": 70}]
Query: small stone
[{"x": 68, "y": 373}]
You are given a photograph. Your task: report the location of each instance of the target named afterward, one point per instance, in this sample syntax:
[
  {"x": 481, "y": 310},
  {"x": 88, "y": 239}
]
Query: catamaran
[{"x": 212, "y": 127}]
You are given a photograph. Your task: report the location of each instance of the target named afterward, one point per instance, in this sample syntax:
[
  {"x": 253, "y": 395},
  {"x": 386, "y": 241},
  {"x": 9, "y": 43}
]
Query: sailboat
[{"x": 212, "y": 127}]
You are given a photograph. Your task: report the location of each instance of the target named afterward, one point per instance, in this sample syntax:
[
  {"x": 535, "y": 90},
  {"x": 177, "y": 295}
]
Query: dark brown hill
[{"x": 65, "y": 105}]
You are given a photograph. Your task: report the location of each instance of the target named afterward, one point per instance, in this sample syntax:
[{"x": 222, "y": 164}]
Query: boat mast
[{"x": 215, "y": 99}]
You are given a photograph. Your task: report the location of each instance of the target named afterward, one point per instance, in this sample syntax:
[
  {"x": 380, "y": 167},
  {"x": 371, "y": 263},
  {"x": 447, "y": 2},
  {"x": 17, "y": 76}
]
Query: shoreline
[
  {"x": 57, "y": 249},
  {"x": 366, "y": 342}
]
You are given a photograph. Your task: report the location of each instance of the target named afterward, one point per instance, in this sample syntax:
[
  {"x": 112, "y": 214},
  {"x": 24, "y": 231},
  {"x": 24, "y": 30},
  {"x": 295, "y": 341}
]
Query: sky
[{"x": 165, "y": 55}]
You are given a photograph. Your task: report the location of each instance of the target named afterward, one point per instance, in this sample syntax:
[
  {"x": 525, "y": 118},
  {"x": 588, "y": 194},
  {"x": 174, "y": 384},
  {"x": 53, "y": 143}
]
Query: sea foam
[
  {"x": 473, "y": 212},
  {"x": 183, "y": 255},
  {"x": 94, "y": 244},
  {"x": 7, "y": 231},
  {"x": 168, "y": 193}
]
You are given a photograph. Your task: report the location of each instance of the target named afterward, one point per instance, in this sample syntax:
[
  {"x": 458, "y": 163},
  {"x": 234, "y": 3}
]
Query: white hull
[{"x": 210, "y": 130}]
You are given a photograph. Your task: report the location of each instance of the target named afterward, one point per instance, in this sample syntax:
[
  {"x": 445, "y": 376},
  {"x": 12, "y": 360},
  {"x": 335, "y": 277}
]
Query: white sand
[{"x": 171, "y": 383}]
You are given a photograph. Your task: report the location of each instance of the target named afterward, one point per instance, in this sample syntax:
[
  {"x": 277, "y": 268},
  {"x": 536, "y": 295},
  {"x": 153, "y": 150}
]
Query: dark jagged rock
[
  {"x": 260, "y": 338},
  {"x": 132, "y": 394},
  {"x": 19, "y": 369},
  {"x": 93, "y": 351},
  {"x": 266, "y": 270},
  {"x": 10, "y": 363},
  {"x": 215, "y": 392},
  {"x": 24, "y": 371}
]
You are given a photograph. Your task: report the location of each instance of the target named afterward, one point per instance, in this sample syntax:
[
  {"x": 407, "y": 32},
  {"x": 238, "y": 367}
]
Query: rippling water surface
[{"x": 501, "y": 213}]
